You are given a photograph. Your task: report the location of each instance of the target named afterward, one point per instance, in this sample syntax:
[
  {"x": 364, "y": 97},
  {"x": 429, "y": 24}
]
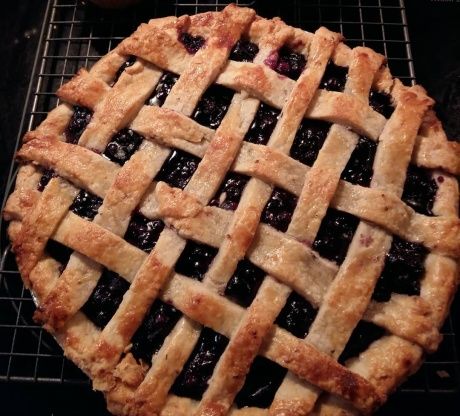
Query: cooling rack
[{"x": 75, "y": 34}]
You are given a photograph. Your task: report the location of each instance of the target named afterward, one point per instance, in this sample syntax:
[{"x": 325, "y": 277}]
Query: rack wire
[{"x": 76, "y": 34}]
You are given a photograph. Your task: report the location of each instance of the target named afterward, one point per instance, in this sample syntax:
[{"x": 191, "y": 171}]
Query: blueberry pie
[{"x": 228, "y": 215}]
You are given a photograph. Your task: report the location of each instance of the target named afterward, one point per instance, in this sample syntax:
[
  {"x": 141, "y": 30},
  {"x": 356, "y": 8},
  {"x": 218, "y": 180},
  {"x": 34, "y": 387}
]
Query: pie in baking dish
[{"x": 229, "y": 215}]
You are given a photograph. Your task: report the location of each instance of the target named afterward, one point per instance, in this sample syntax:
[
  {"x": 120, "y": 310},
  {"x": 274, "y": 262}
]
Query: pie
[{"x": 229, "y": 215}]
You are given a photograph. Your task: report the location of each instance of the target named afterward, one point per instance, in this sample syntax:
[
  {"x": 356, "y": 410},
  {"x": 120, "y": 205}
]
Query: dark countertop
[{"x": 435, "y": 35}]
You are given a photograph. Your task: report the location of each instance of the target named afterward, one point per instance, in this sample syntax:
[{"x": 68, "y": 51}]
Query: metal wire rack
[{"x": 76, "y": 34}]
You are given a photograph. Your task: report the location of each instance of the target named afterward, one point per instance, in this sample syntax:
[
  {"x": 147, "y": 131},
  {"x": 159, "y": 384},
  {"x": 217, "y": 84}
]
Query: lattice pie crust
[{"x": 56, "y": 166}]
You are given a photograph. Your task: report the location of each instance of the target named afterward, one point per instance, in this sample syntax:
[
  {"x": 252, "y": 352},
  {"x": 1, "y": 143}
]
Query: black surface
[{"x": 435, "y": 36}]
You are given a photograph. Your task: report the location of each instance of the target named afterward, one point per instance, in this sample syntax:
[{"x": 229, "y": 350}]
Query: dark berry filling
[
  {"x": 335, "y": 234},
  {"x": 48, "y": 174},
  {"x": 178, "y": 169},
  {"x": 404, "y": 267},
  {"x": 195, "y": 260},
  {"x": 80, "y": 119},
  {"x": 193, "y": 380},
  {"x": 263, "y": 124},
  {"x": 213, "y": 106},
  {"x": 122, "y": 146},
  {"x": 419, "y": 190},
  {"x": 245, "y": 282},
  {"x": 155, "y": 327},
  {"x": 334, "y": 77},
  {"x": 163, "y": 88},
  {"x": 359, "y": 168},
  {"x": 381, "y": 103},
  {"x": 105, "y": 299},
  {"x": 279, "y": 209},
  {"x": 58, "y": 251},
  {"x": 126, "y": 64},
  {"x": 86, "y": 205},
  {"x": 143, "y": 233},
  {"x": 297, "y": 315},
  {"x": 287, "y": 63},
  {"x": 308, "y": 141},
  {"x": 229, "y": 194},
  {"x": 244, "y": 51},
  {"x": 362, "y": 336},
  {"x": 191, "y": 43},
  {"x": 262, "y": 382}
]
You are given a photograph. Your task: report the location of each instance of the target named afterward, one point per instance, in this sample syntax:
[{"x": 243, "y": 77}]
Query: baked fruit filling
[
  {"x": 359, "y": 170},
  {"x": 244, "y": 51},
  {"x": 263, "y": 124},
  {"x": 308, "y": 140},
  {"x": 334, "y": 77},
  {"x": 157, "y": 324},
  {"x": 262, "y": 382},
  {"x": 245, "y": 282},
  {"x": 381, "y": 102},
  {"x": 193, "y": 380},
  {"x": 78, "y": 122},
  {"x": 162, "y": 90},
  {"x": 279, "y": 209},
  {"x": 105, "y": 298},
  {"x": 335, "y": 234},
  {"x": 363, "y": 335},
  {"x": 419, "y": 190},
  {"x": 178, "y": 169},
  {"x": 229, "y": 194},
  {"x": 192, "y": 43},
  {"x": 404, "y": 267},
  {"x": 287, "y": 62},
  {"x": 194, "y": 261},
  {"x": 297, "y": 315},
  {"x": 143, "y": 232},
  {"x": 86, "y": 205},
  {"x": 122, "y": 146}
]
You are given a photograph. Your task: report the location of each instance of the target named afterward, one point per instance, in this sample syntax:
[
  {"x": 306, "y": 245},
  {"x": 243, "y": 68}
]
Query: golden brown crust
[{"x": 342, "y": 294}]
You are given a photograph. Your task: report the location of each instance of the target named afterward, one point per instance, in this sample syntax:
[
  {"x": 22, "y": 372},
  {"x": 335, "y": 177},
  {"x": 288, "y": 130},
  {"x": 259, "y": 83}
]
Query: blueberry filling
[
  {"x": 229, "y": 194},
  {"x": 162, "y": 90},
  {"x": 244, "y": 51},
  {"x": 308, "y": 141},
  {"x": 126, "y": 64},
  {"x": 86, "y": 205},
  {"x": 213, "y": 106},
  {"x": 279, "y": 209},
  {"x": 58, "y": 251},
  {"x": 381, "y": 103},
  {"x": 122, "y": 146},
  {"x": 334, "y": 77},
  {"x": 263, "y": 124},
  {"x": 178, "y": 169},
  {"x": 363, "y": 335},
  {"x": 192, "y": 43},
  {"x": 105, "y": 299},
  {"x": 419, "y": 190},
  {"x": 297, "y": 315},
  {"x": 193, "y": 380},
  {"x": 261, "y": 384},
  {"x": 155, "y": 327},
  {"x": 80, "y": 119},
  {"x": 195, "y": 260},
  {"x": 143, "y": 233},
  {"x": 245, "y": 282},
  {"x": 287, "y": 63},
  {"x": 48, "y": 174},
  {"x": 335, "y": 234},
  {"x": 359, "y": 168},
  {"x": 404, "y": 267}
]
